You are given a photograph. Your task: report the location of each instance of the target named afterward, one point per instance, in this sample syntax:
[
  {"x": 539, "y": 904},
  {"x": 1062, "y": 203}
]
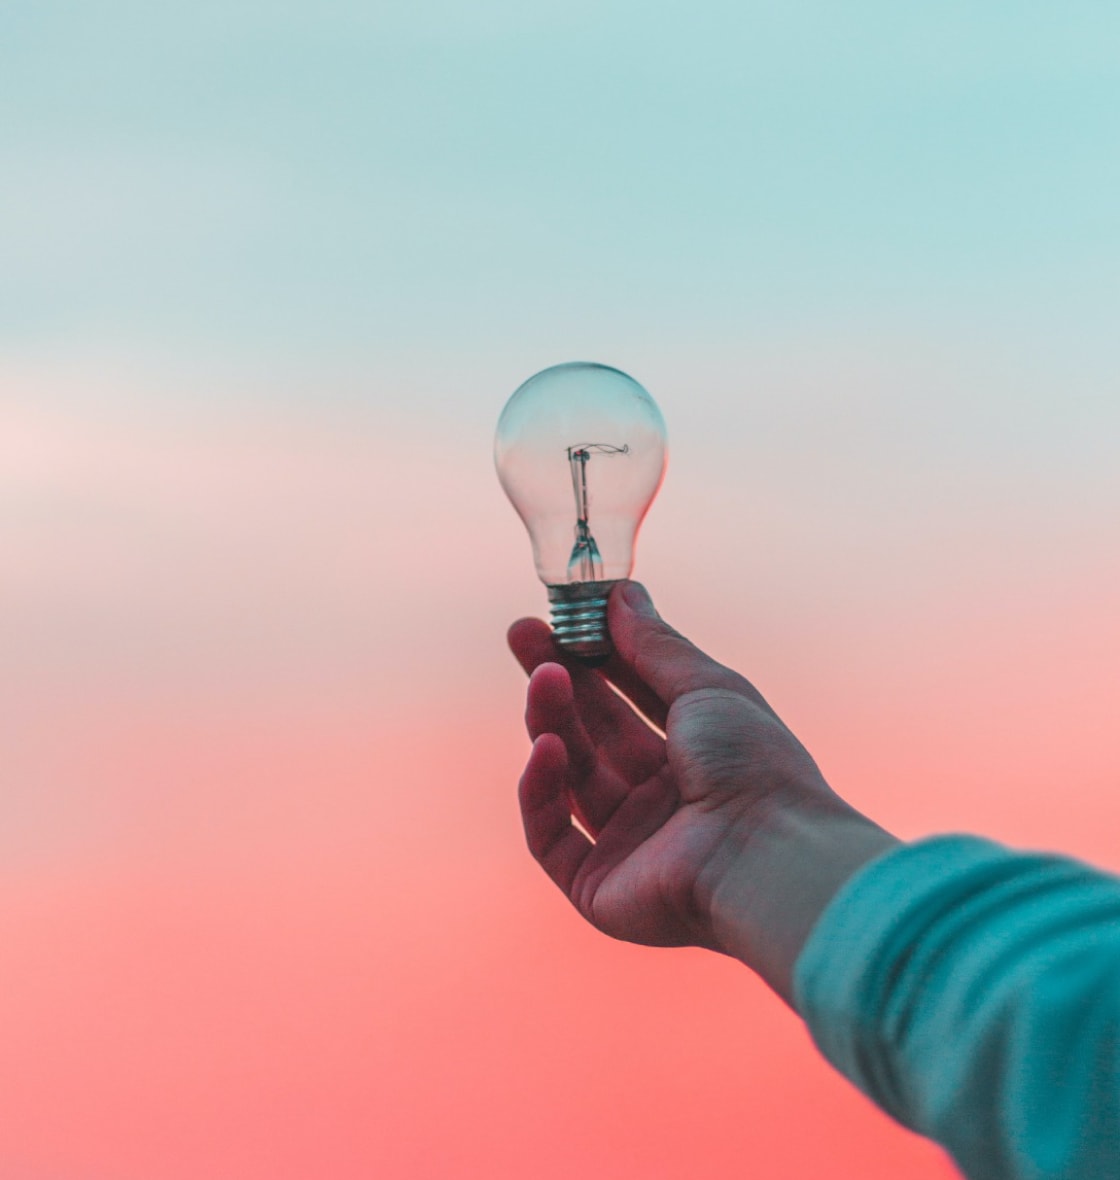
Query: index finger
[{"x": 622, "y": 737}]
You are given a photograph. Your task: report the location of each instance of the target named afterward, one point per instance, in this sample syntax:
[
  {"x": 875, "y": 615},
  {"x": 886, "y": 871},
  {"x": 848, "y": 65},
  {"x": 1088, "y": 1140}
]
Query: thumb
[{"x": 661, "y": 657}]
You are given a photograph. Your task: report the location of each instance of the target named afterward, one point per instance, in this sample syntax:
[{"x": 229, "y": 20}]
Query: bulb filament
[{"x": 586, "y": 563}]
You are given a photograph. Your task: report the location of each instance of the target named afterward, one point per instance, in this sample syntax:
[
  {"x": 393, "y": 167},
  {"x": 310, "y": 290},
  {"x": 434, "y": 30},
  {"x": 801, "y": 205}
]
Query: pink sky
[{"x": 266, "y": 910}]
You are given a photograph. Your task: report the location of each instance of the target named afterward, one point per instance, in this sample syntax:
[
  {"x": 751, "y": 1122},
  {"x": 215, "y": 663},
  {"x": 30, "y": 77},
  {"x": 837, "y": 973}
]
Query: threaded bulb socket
[{"x": 579, "y": 620}]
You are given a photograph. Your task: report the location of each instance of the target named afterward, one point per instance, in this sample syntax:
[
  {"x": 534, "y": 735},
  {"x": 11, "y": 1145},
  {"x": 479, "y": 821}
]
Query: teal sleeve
[{"x": 974, "y": 994}]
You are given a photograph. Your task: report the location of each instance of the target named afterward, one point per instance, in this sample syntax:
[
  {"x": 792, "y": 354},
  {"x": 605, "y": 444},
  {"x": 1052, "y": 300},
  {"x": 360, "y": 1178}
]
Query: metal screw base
[{"x": 579, "y": 620}]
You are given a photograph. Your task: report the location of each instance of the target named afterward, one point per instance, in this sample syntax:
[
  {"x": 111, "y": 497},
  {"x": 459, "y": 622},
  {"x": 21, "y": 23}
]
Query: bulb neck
[{"x": 579, "y": 620}]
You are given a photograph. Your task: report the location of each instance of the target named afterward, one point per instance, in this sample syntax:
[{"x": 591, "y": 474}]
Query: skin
[{"x": 702, "y": 820}]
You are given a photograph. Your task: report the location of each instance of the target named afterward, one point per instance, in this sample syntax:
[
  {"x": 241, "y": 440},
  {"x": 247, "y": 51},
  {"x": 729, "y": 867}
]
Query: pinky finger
[{"x": 558, "y": 846}]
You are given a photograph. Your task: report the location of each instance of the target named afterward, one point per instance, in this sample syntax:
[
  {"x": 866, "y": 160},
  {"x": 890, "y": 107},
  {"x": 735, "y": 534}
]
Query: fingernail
[{"x": 637, "y": 598}]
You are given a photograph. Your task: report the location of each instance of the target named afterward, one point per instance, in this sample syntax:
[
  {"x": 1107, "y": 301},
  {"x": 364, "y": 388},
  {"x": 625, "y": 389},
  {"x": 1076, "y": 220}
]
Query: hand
[{"x": 685, "y": 816}]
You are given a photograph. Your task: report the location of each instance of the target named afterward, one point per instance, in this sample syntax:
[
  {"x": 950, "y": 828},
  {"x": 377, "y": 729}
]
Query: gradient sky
[{"x": 268, "y": 273}]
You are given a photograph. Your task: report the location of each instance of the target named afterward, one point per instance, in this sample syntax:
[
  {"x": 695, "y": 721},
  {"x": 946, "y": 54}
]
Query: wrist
[{"x": 777, "y": 872}]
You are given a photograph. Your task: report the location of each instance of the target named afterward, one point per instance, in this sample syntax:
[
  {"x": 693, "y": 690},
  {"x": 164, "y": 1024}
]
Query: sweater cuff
[{"x": 846, "y": 969}]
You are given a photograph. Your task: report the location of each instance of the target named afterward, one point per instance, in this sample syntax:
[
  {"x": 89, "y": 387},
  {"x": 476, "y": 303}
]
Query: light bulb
[{"x": 580, "y": 451}]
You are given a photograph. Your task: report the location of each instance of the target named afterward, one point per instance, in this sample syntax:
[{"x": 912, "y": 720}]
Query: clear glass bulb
[{"x": 580, "y": 451}]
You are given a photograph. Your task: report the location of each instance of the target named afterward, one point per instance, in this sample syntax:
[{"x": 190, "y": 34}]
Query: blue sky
[
  {"x": 865, "y": 254},
  {"x": 303, "y": 185}
]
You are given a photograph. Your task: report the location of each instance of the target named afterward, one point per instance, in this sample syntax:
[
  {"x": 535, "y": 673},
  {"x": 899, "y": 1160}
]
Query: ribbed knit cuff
[{"x": 846, "y": 975}]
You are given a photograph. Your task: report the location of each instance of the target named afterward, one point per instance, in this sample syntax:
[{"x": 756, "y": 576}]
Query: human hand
[{"x": 687, "y": 817}]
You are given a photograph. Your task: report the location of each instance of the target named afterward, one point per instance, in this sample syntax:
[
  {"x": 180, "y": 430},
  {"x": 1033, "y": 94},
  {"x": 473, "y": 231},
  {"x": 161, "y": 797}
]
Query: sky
[{"x": 268, "y": 273}]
